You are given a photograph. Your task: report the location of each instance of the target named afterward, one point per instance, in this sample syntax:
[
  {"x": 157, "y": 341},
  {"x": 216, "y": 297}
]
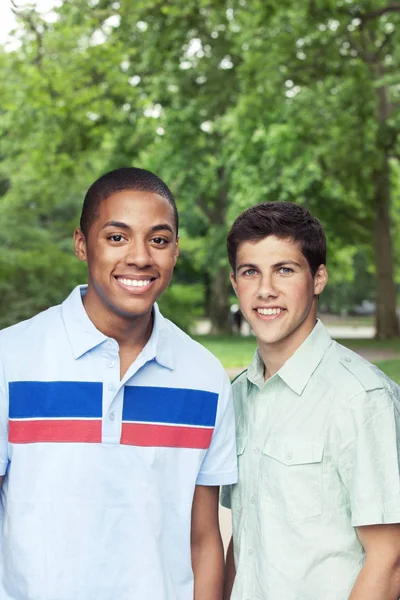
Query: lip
[
  {"x": 269, "y": 317},
  {"x": 135, "y": 290}
]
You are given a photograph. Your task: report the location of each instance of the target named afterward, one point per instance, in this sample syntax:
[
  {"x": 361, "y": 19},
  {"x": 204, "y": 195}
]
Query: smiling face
[
  {"x": 131, "y": 250},
  {"x": 277, "y": 292}
]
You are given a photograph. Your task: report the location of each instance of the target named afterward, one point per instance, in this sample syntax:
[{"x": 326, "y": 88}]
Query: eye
[
  {"x": 160, "y": 241},
  {"x": 285, "y": 271},
  {"x": 115, "y": 237},
  {"x": 249, "y": 272}
]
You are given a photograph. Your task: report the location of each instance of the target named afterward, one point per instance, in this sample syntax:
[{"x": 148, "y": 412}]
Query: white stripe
[{"x": 170, "y": 424}]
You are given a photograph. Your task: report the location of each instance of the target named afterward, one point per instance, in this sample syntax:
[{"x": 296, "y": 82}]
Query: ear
[
  {"x": 80, "y": 244},
  {"x": 233, "y": 281},
  {"x": 176, "y": 250},
  {"x": 320, "y": 280}
]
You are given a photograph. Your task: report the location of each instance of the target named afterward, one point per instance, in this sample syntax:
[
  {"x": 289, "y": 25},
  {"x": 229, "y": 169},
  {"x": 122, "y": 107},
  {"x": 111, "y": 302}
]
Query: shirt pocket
[{"x": 291, "y": 474}]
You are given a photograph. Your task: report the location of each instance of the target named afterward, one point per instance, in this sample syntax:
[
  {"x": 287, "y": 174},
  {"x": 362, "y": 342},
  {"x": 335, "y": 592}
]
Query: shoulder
[
  {"x": 24, "y": 334},
  {"x": 240, "y": 377},
  {"x": 354, "y": 373},
  {"x": 359, "y": 386}
]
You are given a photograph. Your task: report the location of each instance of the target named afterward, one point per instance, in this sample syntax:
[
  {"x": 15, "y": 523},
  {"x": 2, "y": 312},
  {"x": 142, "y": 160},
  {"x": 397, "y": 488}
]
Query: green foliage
[
  {"x": 182, "y": 304},
  {"x": 230, "y": 102}
]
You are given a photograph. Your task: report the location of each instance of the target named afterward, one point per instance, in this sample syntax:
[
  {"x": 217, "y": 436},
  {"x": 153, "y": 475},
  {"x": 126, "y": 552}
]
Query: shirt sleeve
[
  {"x": 3, "y": 420},
  {"x": 369, "y": 460},
  {"x": 219, "y": 465}
]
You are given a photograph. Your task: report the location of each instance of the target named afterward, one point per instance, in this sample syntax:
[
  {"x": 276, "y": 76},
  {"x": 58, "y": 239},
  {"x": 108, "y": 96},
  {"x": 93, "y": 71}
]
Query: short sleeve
[
  {"x": 3, "y": 420},
  {"x": 369, "y": 460},
  {"x": 219, "y": 466}
]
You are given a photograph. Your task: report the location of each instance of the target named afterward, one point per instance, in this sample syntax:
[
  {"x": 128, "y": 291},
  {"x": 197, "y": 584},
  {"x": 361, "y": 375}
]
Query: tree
[
  {"x": 229, "y": 105},
  {"x": 327, "y": 71}
]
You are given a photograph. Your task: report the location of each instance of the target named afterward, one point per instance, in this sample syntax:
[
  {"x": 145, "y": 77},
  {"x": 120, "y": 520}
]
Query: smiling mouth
[
  {"x": 269, "y": 311},
  {"x": 134, "y": 282},
  {"x": 135, "y": 286}
]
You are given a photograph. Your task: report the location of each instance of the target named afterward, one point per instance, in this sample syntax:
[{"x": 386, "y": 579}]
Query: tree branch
[{"x": 373, "y": 14}]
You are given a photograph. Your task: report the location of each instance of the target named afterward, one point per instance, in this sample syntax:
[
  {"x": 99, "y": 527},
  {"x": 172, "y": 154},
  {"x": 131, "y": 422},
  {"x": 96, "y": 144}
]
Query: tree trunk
[
  {"x": 219, "y": 302},
  {"x": 387, "y": 323}
]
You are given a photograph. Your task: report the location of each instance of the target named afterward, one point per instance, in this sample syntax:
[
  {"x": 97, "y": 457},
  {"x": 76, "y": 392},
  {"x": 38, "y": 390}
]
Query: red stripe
[
  {"x": 26, "y": 432},
  {"x": 136, "y": 434}
]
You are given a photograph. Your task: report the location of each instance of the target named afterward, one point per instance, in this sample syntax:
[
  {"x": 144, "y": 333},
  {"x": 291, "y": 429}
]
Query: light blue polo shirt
[{"x": 100, "y": 473}]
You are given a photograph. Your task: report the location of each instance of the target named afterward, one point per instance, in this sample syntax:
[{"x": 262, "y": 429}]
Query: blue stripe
[
  {"x": 46, "y": 399},
  {"x": 170, "y": 405}
]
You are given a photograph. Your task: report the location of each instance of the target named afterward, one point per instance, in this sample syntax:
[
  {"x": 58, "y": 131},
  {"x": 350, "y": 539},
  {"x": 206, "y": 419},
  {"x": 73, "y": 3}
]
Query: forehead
[
  {"x": 136, "y": 208},
  {"x": 270, "y": 250}
]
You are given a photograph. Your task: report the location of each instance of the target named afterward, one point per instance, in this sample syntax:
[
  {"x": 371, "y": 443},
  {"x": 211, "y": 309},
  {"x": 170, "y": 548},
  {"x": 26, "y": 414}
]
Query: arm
[
  {"x": 206, "y": 545},
  {"x": 379, "y": 579},
  {"x": 230, "y": 571}
]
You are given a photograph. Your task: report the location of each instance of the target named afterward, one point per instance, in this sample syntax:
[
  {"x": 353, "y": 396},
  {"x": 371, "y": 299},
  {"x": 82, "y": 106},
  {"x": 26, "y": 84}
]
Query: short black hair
[
  {"x": 284, "y": 220},
  {"x": 118, "y": 180}
]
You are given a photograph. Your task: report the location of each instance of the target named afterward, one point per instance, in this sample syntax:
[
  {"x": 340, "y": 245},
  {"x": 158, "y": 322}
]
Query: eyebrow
[
  {"x": 162, "y": 227},
  {"x": 122, "y": 225},
  {"x": 118, "y": 224},
  {"x": 246, "y": 266},
  {"x": 281, "y": 263}
]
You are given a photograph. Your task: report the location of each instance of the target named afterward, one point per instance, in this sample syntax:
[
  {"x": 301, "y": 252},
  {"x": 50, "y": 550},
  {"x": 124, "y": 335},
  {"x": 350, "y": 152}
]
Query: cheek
[
  {"x": 245, "y": 294},
  {"x": 301, "y": 293}
]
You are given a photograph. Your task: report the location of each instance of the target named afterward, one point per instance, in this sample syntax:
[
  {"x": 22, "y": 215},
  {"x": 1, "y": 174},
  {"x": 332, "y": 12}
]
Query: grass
[
  {"x": 391, "y": 368},
  {"x": 353, "y": 344},
  {"x": 232, "y": 351},
  {"x": 237, "y": 352}
]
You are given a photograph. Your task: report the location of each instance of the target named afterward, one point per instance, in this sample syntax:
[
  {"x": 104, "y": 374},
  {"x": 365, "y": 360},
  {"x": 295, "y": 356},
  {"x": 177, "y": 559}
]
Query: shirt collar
[
  {"x": 84, "y": 336},
  {"x": 297, "y": 370}
]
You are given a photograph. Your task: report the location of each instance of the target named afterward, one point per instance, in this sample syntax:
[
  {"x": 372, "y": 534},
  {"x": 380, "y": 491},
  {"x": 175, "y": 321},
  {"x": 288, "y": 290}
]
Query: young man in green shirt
[{"x": 317, "y": 506}]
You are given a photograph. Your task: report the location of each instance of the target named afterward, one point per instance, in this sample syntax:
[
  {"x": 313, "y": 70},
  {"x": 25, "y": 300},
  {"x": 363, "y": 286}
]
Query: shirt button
[
  {"x": 253, "y": 499},
  {"x": 111, "y": 364},
  {"x": 289, "y": 456},
  {"x": 111, "y": 416},
  {"x": 111, "y": 387},
  {"x": 256, "y": 450},
  {"x": 109, "y": 344},
  {"x": 347, "y": 359},
  {"x": 251, "y": 552}
]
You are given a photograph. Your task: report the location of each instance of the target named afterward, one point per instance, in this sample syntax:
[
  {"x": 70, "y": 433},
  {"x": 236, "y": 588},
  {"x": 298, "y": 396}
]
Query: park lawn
[
  {"x": 232, "y": 351},
  {"x": 391, "y": 368},
  {"x": 237, "y": 352}
]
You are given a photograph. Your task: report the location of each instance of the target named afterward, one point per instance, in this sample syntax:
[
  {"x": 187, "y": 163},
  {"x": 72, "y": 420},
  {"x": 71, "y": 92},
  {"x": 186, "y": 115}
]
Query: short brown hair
[{"x": 284, "y": 220}]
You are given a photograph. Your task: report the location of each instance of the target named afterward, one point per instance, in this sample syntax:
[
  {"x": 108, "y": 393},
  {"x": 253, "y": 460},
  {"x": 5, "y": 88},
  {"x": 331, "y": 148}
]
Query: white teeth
[
  {"x": 269, "y": 311},
  {"x": 135, "y": 282}
]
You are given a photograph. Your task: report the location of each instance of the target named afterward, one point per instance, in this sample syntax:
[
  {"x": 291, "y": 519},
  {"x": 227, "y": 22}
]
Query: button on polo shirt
[
  {"x": 318, "y": 456},
  {"x": 100, "y": 473}
]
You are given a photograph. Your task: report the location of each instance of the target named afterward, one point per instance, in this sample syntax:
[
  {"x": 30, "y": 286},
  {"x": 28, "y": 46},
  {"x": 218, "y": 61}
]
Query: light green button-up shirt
[{"x": 318, "y": 452}]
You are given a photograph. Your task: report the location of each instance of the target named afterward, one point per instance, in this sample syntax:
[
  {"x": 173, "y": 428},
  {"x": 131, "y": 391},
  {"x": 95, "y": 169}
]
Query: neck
[
  {"x": 276, "y": 354},
  {"x": 131, "y": 333}
]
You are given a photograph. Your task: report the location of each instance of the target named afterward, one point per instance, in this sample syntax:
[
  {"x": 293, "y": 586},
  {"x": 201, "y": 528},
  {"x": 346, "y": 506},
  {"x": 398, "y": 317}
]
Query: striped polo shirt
[{"x": 100, "y": 472}]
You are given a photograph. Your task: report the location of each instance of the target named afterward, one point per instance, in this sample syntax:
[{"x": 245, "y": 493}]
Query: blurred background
[{"x": 231, "y": 102}]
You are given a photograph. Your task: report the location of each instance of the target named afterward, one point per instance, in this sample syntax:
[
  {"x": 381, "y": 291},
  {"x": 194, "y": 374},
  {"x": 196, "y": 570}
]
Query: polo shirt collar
[
  {"x": 84, "y": 336},
  {"x": 297, "y": 370}
]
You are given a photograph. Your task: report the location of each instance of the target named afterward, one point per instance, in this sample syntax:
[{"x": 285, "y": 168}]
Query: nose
[
  {"x": 267, "y": 288},
  {"x": 138, "y": 255}
]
